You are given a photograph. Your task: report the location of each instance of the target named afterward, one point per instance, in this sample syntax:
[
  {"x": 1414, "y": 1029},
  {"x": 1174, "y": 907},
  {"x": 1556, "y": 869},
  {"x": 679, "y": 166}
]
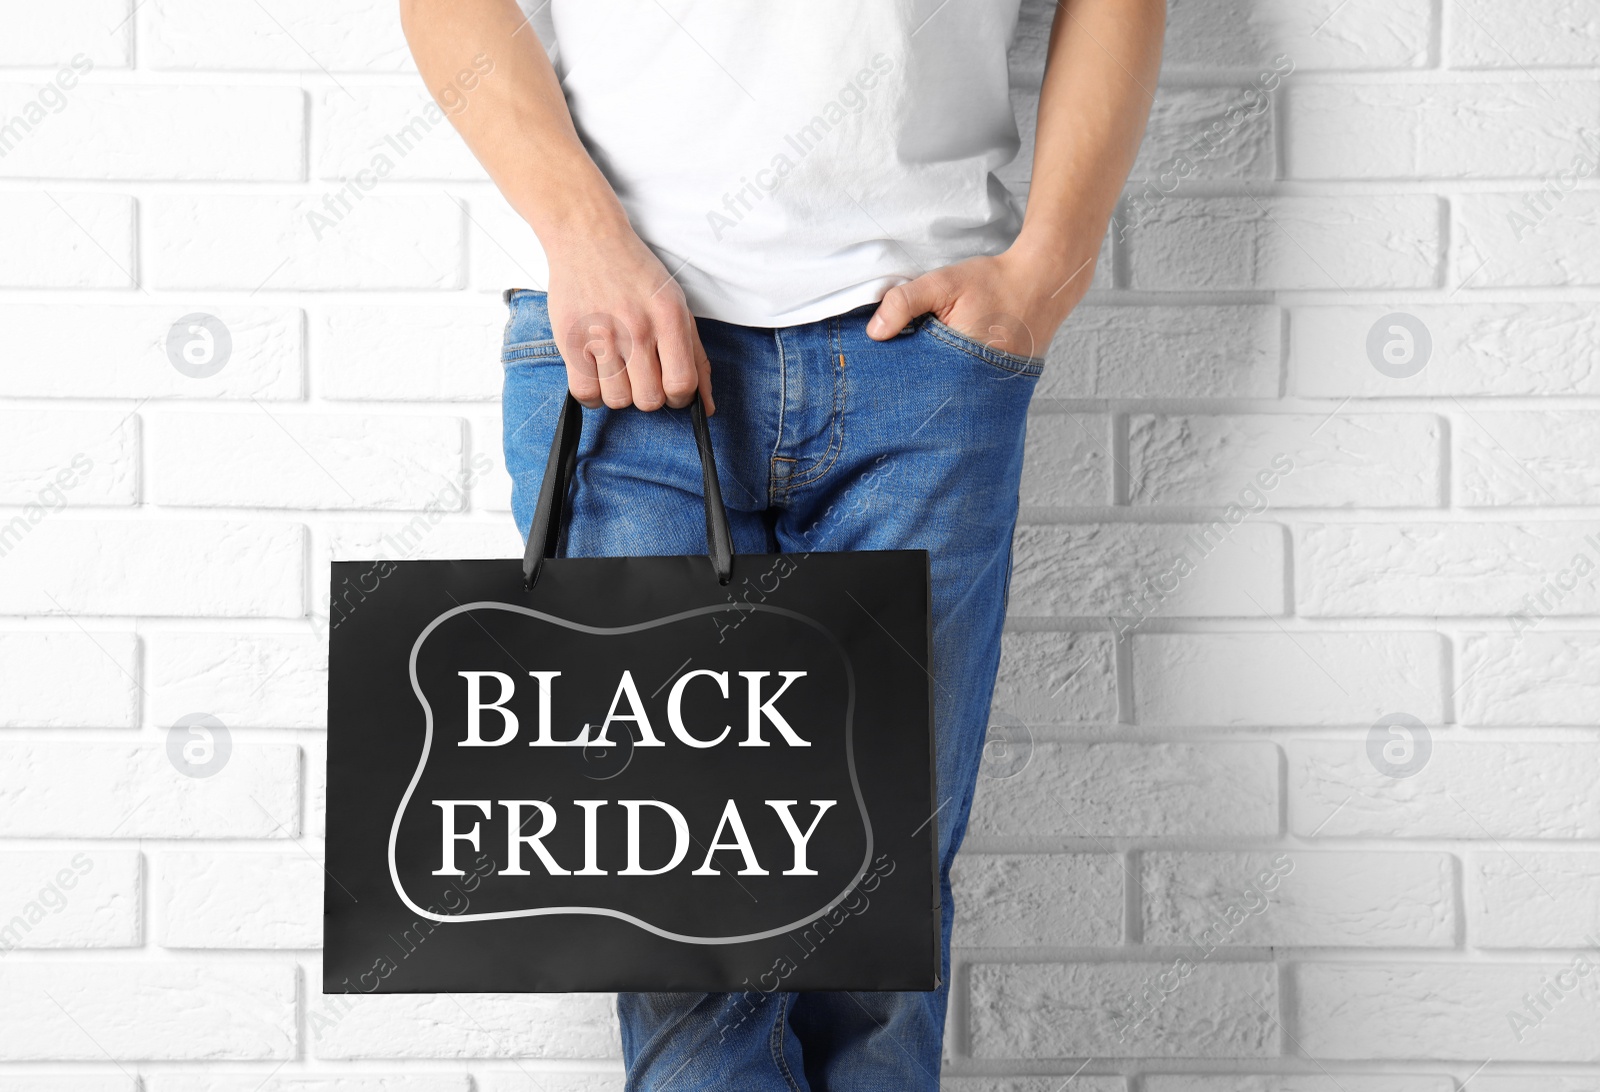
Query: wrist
[
  {"x": 581, "y": 218},
  {"x": 1056, "y": 254}
]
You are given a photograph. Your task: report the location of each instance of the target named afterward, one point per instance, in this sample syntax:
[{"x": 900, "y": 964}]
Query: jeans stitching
[
  {"x": 774, "y": 488},
  {"x": 999, "y": 358},
  {"x": 778, "y": 1057},
  {"x": 534, "y": 349},
  {"x": 529, "y": 350},
  {"x": 836, "y": 435}
]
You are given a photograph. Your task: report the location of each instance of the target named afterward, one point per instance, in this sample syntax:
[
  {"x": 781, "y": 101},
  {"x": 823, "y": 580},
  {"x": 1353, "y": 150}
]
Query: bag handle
[{"x": 545, "y": 534}]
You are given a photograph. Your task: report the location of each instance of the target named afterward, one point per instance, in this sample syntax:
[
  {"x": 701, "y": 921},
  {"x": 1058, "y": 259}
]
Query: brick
[
  {"x": 283, "y": 1082},
  {"x": 544, "y": 1080},
  {"x": 398, "y": 130},
  {"x": 1135, "y": 790},
  {"x": 106, "y": 790},
  {"x": 1218, "y": 569},
  {"x": 426, "y": 536},
  {"x": 1532, "y": 900},
  {"x": 1080, "y": 1083},
  {"x": 67, "y": 899},
  {"x": 1215, "y": 133},
  {"x": 239, "y": 900},
  {"x": 504, "y": 252},
  {"x": 1294, "y": 898},
  {"x": 1281, "y": 243},
  {"x": 147, "y": 1011},
  {"x": 1161, "y": 352},
  {"x": 294, "y": 36},
  {"x": 162, "y": 132},
  {"x": 1067, "y": 460},
  {"x": 481, "y": 1025},
  {"x": 246, "y": 681},
  {"x": 169, "y": 568},
  {"x": 66, "y": 240},
  {"x": 1194, "y": 134},
  {"x": 1525, "y": 239},
  {"x": 318, "y": 460},
  {"x": 315, "y": 769},
  {"x": 347, "y": 237},
  {"x": 101, "y": 351},
  {"x": 1527, "y": 459},
  {"x": 1477, "y": 349},
  {"x": 1286, "y": 460},
  {"x": 487, "y": 479},
  {"x": 51, "y": 35},
  {"x": 1435, "y": 130},
  {"x": 113, "y": 1082},
  {"x": 69, "y": 679},
  {"x": 1536, "y": 34},
  {"x": 1174, "y": 1082},
  {"x": 1528, "y": 677},
  {"x": 415, "y": 353},
  {"x": 1277, "y": 678},
  {"x": 1463, "y": 790},
  {"x": 1022, "y": 900},
  {"x": 1439, "y": 1011},
  {"x": 1411, "y": 569},
  {"x": 421, "y": 538},
  {"x": 1057, "y": 678},
  {"x": 56, "y": 458},
  {"x": 1080, "y": 1010},
  {"x": 1311, "y": 34}
]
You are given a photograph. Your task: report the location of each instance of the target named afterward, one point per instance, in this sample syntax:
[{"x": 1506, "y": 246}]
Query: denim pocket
[
  {"x": 1010, "y": 362},
  {"x": 528, "y": 336}
]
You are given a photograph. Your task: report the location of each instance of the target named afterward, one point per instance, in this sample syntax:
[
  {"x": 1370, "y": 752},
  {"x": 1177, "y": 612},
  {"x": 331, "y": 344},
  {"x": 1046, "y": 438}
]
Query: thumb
[{"x": 902, "y": 303}]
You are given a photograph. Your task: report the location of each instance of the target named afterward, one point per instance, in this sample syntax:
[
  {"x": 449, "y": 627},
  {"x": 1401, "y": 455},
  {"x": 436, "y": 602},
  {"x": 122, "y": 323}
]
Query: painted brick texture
[{"x": 1301, "y": 677}]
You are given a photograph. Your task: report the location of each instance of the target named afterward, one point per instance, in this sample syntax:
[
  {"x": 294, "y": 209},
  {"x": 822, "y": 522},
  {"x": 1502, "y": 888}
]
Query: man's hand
[
  {"x": 1013, "y": 301},
  {"x": 623, "y": 327},
  {"x": 618, "y": 317}
]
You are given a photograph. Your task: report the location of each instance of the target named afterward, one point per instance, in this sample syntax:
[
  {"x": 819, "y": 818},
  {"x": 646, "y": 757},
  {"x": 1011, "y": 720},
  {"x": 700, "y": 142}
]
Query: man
[{"x": 795, "y": 204}]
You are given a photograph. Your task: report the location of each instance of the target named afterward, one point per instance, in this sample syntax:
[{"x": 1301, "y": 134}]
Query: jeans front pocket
[
  {"x": 528, "y": 335},
  {"x": 1000, "y": 358}
]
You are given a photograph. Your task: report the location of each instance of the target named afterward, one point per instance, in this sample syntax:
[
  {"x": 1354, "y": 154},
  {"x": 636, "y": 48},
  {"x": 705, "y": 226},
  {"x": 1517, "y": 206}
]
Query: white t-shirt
[{"x": 788, "y": 160}]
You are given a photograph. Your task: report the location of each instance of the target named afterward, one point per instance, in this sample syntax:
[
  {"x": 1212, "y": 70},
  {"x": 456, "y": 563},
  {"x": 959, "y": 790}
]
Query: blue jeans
[{"x": 824, "y": 440}]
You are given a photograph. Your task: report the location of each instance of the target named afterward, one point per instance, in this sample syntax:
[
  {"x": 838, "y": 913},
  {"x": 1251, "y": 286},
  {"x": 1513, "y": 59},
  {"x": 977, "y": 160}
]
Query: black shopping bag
[{"x": 631, "y": 773}]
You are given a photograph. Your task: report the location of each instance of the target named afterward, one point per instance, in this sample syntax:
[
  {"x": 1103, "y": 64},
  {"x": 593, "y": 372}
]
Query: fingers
[
  {"x": 903, "y": 303},
  {"x": 644, "y": 376},
  {"x": 609, "y": 366},
  {"x": 616, "y": 390},
  {"x": 679, "y": 347},
  {"x": 597, "y": 352},
  {"x": 703, "y": 376},
  {"x": 583, "y": 374}
]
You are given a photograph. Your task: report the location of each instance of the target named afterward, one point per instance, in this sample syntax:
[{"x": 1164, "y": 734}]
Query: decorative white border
[{"x": 600, "y": 911}]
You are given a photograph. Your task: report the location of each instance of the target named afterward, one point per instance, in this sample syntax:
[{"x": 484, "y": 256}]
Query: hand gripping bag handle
[{"x": 545, "y": 533}]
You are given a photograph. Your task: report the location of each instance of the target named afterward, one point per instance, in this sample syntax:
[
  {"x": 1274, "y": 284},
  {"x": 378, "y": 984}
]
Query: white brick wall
[{"x": 1204, "y": 866}]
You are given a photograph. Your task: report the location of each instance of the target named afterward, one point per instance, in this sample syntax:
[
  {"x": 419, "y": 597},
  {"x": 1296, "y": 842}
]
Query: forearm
[
  {"x": 514, "y": 118},
  {"x": 1100, "y": 76}
]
